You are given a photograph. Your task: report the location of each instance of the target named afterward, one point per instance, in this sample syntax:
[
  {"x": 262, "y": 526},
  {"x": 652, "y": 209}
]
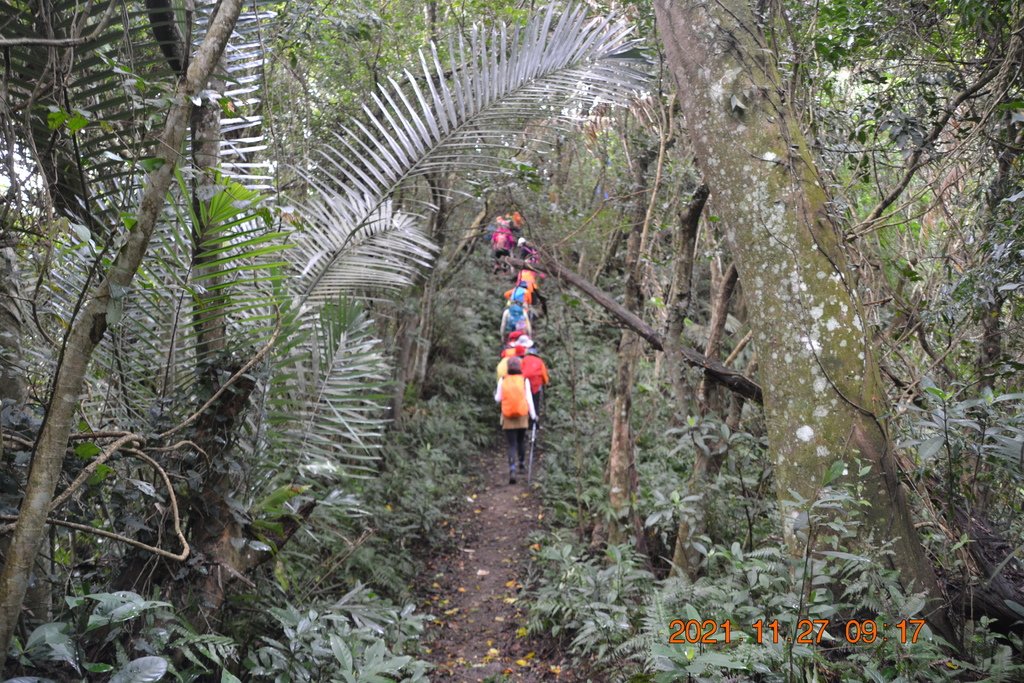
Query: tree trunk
[
  {"x": 706, "y": 464},
  {"x": 684, "y": 243},
  {"x": 990, "y": 351},
  {"x": 621, "y": 470},
  {"x": 823, "y": 397},
  {"x": 89, "y": 327},
  {"x": 708, "y": 396},
  {"x": 210, "y": 322}
]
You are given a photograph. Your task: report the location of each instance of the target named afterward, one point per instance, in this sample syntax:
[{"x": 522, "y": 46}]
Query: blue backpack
[
  {"x": 518, "y": 294},
  {"x": 516, "y": 318}
]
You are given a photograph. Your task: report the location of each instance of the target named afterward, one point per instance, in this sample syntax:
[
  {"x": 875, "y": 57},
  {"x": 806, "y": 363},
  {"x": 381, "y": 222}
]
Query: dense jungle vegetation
[{"x": 249, "y": 326}]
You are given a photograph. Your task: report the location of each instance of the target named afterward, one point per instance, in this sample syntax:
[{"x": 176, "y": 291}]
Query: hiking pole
[{"x": 533, "y": 443}]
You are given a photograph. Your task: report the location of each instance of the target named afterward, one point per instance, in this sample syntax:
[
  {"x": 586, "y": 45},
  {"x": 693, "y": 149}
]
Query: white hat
[
  {"x": 521, "y": 242},
  {"x": 524, "y": 341}
]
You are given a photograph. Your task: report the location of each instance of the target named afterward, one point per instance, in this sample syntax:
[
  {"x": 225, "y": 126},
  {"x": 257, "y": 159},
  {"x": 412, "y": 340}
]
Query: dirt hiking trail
[{"x": 479, "y": 629}]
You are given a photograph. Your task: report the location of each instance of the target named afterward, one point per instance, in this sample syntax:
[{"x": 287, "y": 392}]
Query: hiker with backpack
[
  {"x": 515, "y": 395},
  {"x": 502, "y": 241},
  {"x": 503, "y": 366},
  {"x": 530, "y": 278},
  {"x": 536, "y": 371},
  {"x": 521, "y": 293},
  {"x": 515, "y": 318}
]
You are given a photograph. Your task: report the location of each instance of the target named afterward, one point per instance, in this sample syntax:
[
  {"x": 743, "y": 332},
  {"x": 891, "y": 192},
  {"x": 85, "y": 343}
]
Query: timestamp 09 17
[{"x": 807, "y": 631}]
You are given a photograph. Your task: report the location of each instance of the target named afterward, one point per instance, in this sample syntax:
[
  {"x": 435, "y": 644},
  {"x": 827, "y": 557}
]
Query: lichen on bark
[{"x": 822, "y": 395}]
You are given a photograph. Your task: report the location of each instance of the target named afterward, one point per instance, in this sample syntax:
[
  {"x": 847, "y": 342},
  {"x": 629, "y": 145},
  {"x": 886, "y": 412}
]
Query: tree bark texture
[
  {"x": 88, "y": 329},
  {"x": 822, "y": 392},
  {"x": 684, "y": 244}
]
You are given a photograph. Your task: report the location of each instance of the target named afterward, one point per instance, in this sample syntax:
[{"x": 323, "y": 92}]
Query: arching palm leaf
[
  {"x": 459, "y": 117},
  {"x": 456, "y": 118}
]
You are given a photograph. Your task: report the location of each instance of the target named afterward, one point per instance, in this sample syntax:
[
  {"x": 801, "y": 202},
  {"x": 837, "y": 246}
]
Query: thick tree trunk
[
  {"x": 91, "y": 324},
  {"x": 823, "y": 396}
]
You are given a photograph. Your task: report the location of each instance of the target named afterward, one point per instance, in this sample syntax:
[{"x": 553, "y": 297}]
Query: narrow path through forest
[{"x": 479, "y": 630}]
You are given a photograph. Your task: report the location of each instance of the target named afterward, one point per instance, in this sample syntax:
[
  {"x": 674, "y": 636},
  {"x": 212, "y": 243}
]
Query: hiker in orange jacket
[
  {"x": 515, "y": 395},
  {"x": 535, "y": 370},
  {"x": 522, "y": 293},
  {"x": 531, "y": 279}
]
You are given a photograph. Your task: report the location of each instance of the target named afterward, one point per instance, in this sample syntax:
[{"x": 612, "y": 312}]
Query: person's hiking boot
[{"x": 512, "y": 475}]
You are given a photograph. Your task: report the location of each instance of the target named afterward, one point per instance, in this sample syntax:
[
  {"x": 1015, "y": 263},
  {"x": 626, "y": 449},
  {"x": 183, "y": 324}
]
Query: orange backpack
[
  {"x": 529, "y": 277},
  {"x": 513, "y": 397}
]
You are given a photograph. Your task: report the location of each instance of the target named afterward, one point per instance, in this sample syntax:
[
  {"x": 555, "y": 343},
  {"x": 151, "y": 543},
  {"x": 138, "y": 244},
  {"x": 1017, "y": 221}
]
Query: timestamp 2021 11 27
[{"x": 806, "y": 631}]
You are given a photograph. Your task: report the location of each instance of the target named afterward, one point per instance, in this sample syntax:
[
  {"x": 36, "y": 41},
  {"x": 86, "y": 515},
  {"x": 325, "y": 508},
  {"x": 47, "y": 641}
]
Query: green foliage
[
  {"x": 122, "y": 633},
  {"x": 971, "y": 445},
  {"x": 589, "y": 602},
  {"x": 353, "y": 640},
  {"x": 769, "y": 584}
]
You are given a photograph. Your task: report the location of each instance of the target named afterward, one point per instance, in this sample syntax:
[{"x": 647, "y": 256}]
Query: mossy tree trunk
[{"x": 822, "y": 394}]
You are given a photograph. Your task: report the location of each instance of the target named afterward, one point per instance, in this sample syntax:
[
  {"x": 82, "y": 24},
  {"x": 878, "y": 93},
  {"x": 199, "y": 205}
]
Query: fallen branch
[{"x": 731, "y": 379}]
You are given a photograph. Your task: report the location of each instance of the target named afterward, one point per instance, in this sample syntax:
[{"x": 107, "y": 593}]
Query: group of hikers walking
[{"x": 521, "y": 372}]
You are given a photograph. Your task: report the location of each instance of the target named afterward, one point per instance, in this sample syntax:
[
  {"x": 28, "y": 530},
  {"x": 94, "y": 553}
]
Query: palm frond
[
  {"x": 560, "y": 62},
  {"x": 326, "y": 404},
  {"x": 385, "y": 252}
]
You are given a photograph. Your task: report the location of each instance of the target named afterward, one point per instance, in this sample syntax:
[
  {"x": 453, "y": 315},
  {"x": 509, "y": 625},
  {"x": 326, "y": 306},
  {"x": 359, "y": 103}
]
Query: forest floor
[{"x": 479, "y": 627}]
